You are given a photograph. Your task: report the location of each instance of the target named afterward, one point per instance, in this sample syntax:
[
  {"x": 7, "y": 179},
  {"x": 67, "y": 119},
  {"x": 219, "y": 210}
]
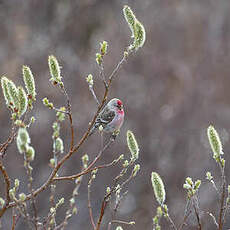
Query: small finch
[{"x": 111, "y": 117}]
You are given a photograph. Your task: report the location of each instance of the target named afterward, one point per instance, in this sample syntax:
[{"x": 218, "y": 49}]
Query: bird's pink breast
[{"x": 121, "y": 112}]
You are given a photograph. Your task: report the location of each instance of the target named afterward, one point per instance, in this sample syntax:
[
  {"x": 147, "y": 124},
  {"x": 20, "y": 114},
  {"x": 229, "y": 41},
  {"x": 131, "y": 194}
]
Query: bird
[{"x": 111, "y": 117}]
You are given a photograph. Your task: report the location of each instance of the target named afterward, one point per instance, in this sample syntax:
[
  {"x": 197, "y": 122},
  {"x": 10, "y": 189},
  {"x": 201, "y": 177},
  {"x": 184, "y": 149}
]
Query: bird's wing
[{"x": 106, "y": 116}]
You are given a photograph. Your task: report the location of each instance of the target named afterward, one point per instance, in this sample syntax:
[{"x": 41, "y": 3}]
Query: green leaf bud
[
  {"x": 18, "y": 123},
  {"x": 187, "y": 186},
  {"x": 158, "y": 188},
  {"x": 14, "y": 116},
  {"x": 125, "y": 164},
  {"x": 52, "y": 210},
  {"x": 104, "y": 46},
  {"x": 4, "y": 84},
  {"x": 214, "y": 141},
  {"x": 133, "y": 146},
  {"x": 58, "y": 145},
  {"x": 72, "y": 201},
  {"x": 94, "y": 171},
  {"x": 119, "y": 228},
  {"x": 23, "y": 101},
  {"x": 61, "y": 201},
  {"x": 121, "y": 157},
  {"x": 135, "y": 170},
  {"x": 13, "y": 92},
  {"x": 56, "y": 126},
  {"x": 85, "y": 160},
  {"x": 89, "y": 79},
  {"x": 23, "y": 135},
  {"x": 55, "y": 70},
  {"x": 139, "y": 35},
  {"x": 29, "y": 82},
  {"x": 98, "y": 58},
  {"x": 189, "y": 181},
  {"x": 108, "y": 190},
  {"x": 159, "y": 212},
  {"x": 118, "y": 191},
  {"x": 51, "y": 223},
  {"x": 22, "y": 197},
  {"x": 30, "y": 153},
  {"x": 61, "y": 116},
  {"x": 16, "y": 183},
  {"x": 2, "y": 202},
  {"x": 209, "y": 176},
  {"x": 130, "y": 18},
  {"x": 222, "y": 162},
  {"x": 52, "y": 162},
  {"x": 165, "y": 209},
  {"x": 228, "y": 201},
  {"x": 132, "y": 222},
  {"x": 32, "y": 119},
  {"x": 155, "y": 220},
  {"x": 23, "y": 140},
  {"x": 12, "y": 194},
  {"x": 126, "y": 54},
  {"x": 100, "y": 128},
  {"x": 158, "y": 227},
  {"x": 197, "y": 184},
  {"x": 137, "y": 29},
  {"x": 45, "y": 101},
  {"x": 74, "y": 211}
]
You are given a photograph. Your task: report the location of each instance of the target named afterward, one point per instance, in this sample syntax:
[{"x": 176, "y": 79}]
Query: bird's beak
[{"x": 121, "y": 107}]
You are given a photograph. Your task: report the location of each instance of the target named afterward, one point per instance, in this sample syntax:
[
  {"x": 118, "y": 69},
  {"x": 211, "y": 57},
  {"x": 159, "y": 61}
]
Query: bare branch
[{"x": 7, "y": 182}]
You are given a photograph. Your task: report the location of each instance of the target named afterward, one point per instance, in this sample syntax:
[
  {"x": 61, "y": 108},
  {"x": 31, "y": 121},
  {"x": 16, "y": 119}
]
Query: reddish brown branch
[
  {"x": 7, "y": 182},
  {"x": 90, "y": 206},
  {"x": 222, "y": 201},
  {"x": 196, "y": 213},
  {"x": 70, "y": 118},
  {"x": 89, "y": 169},
  {"x": 103, "y": 206},
  {"x": 5, "y": 145}
]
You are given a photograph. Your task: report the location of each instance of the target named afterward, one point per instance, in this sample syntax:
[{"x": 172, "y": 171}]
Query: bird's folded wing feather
[{"x": 106, "y": 116}]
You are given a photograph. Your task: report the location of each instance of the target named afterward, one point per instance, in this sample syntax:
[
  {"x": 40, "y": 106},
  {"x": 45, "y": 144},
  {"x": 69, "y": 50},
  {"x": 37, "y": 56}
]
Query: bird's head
[{"x": 116, "y": 103}]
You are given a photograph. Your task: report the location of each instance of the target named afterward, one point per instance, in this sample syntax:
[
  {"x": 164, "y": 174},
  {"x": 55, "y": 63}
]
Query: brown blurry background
[{"x": 173, "y": 88}]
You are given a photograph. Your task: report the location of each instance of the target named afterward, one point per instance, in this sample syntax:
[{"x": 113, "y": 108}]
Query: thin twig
[
  {"x": 86, "y": 171},
  {"x": 103, "y": 206},
  {"x": 7, "y": 182},
  {"x": 222, "y": 199},
  {"x": 33, "y": 200},
  {"x": 59, "y": 110},
  {"x": 187, "y": 212},
  {"x": 89, "y": 204},
  {"x": 6, "y": 144},
  {"x": 70, "y": 118},
  {"x": 21, "y": 207},
  {"x": 13, "y": 219},
  {"x": 119, "y": 222},
  {"x": 94, "y": 94},
  {"x": 102, "y": 74},
  {"x": 195, "y": 206},
  {"x": 171, "y": 222},
  {"x": 225, "y": 212},
  {"x": 213, "y": 218}
]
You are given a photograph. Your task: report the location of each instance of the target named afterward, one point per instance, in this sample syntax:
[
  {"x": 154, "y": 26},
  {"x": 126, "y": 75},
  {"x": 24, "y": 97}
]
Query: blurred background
[{"x": 172, "y": 89}]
